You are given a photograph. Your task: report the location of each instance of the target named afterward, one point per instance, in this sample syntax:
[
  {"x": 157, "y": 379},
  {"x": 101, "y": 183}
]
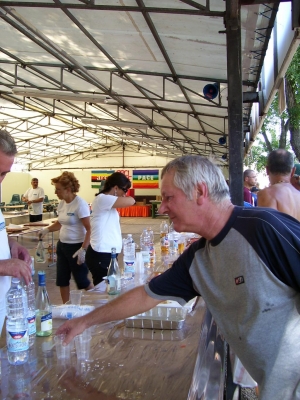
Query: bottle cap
[{"x": 42, "y": 278}]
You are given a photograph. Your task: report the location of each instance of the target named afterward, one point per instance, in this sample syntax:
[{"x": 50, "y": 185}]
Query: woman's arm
[
  {"x": 86, "y": 223},
  {"x": 125, "y": 201}
]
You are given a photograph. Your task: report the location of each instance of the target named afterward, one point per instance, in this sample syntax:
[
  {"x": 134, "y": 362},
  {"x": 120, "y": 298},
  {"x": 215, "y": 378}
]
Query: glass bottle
[
  {"x": 113, "y": 274},
  {"x": 40, "y": 256},
  {"x": 43, "y": 308}
]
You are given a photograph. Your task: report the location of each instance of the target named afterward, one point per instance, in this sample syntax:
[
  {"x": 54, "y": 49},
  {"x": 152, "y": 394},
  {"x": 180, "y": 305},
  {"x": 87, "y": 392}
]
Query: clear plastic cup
[
  {"x": 83, "y": 346},
  {"x": 75, "y": 297},
  {"x": 62, "y": 352}
]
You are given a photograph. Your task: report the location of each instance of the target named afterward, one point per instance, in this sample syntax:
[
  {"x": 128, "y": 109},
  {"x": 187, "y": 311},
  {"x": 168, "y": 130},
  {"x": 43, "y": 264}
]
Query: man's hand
[
  {"x": 72, "y": 328},
  {"x": 16, "y": 268},
  {"x": 18, "y": 251},
  {"x": 80, "y": 254}
]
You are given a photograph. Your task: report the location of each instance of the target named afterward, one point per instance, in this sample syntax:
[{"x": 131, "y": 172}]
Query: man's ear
[
  {"x": 267, "y": 170},
  {"x": 201, "y": 192}
]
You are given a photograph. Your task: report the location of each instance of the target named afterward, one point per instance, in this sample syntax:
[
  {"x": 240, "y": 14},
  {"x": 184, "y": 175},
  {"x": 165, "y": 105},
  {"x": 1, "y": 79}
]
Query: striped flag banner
[
  {"x": 99, "y": 175},
  {"x": 145, "y": 179}
]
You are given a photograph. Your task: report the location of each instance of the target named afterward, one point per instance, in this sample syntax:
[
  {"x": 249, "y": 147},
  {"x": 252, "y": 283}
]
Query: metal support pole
[{"x": 235, "y": 100}]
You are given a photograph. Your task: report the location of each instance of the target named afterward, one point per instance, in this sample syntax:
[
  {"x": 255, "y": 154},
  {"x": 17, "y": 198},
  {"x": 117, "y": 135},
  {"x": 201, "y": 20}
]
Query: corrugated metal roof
[{"x": 152, "y": 60}]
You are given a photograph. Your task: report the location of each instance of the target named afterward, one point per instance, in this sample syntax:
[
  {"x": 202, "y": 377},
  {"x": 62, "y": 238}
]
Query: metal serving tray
[{"x": 159, "y": 317}]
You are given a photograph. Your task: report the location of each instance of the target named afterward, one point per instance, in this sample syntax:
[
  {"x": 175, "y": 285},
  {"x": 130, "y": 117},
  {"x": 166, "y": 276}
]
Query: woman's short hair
[
  {"x": 116, "y": 179},
  {"x": 67, "y": 180},
  {"x": 193, "y": 169}
]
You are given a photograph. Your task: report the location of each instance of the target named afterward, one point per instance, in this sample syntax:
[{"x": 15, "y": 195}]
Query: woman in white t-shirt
[
  {"x": 105, "y": 224},
  {"x": 74, "y": 228}
]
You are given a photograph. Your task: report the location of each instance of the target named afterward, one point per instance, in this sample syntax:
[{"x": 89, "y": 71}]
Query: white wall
[
  {"x": 19, "y": 182},
  {"x": 14, "y": 183}
]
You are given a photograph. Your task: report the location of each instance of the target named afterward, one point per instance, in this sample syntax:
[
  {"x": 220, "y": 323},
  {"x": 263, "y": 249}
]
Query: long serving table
[
  {"x": 14, "y": 207},
  {"x": 32, "y": 233},
  {"x": 125, "y": 363}
]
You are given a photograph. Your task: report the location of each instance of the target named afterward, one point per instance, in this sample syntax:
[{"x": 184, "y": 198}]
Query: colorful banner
[
  {"x": 145, "y": 179},
  {"x": 98, "y": 176}
]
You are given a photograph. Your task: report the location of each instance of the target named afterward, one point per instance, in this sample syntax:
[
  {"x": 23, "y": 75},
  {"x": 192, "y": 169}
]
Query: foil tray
[{"x": 159, "y": 317}]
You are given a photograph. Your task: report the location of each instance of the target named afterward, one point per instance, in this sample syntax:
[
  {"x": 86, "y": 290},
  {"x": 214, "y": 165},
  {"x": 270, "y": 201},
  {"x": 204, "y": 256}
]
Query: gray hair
[
  {"x": 191, "y": 170},
  {"x": 248, "y": 172},
  {"x": 7, "y": 144}
]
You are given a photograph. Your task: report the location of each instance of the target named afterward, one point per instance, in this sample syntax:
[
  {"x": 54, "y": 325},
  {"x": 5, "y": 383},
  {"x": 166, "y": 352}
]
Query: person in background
[
  {"x": 254, "y": 192},
  {"x": 249, "y": 182},
  {"x": 253, "y": 294},
  {"x": 74, "y": 228},
  {"x": 105, "y": 224},
  {"x": 14, "y": 259},
  {"x": 295, "y": 179},
  {"x": 34, "y": 197},
  {"x": 280, "y": 195}
]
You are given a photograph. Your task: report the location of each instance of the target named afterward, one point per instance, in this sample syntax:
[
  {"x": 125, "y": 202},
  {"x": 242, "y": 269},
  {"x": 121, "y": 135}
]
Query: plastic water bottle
[
  {"x": 30, "y": 292},
  {"x": 152, "y": 248},
  {"x": 129, "y": 257},
  {"x": 19, "y": 382},
  {"x": 40, "y": 256},
  {"x": 164, "y": 242},
  {"x": 43, "y": 308},
  {"x": 145, "y": 243},
  {"x": 113, "y": 274},
  {"x": 17, "y": 340},
  {"x": 173, "y": 240}
]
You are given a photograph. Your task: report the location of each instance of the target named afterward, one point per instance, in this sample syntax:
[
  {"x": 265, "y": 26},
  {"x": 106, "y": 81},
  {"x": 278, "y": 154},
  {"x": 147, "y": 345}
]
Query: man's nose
[{"x": 161, "y": 209}]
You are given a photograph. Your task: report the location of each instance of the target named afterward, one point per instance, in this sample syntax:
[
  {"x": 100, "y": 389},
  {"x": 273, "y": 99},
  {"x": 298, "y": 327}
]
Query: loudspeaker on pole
[{"x": 211, "y": 91}]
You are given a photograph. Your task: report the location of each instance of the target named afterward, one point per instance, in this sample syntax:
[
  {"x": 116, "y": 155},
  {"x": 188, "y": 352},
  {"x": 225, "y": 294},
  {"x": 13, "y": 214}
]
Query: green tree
[{"x": 281, "y": 130}]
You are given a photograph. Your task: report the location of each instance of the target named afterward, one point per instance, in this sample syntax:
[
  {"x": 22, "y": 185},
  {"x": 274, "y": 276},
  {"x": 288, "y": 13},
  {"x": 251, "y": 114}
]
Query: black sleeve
[{"x": 276, "y": 239}]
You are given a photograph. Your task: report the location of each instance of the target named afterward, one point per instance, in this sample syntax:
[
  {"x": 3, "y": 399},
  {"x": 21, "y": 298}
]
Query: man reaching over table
[
  {"x": 14, "y": 259},
  {"x": 280, "y": 195},
  {"x": 253, "y": 293}
]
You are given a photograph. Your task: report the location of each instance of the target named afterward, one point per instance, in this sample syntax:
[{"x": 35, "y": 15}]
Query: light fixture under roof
[
  {"x": 61, "y": 95},
  {"x": 111, "y": 122},
  {"x": 3, "y": 123},
  {"x": 146, "y": 140}
]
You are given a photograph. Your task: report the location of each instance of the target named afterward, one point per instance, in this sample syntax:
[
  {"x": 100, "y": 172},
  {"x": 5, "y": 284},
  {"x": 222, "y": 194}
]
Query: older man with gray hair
[
  {"x": 245, "y": 266},
  {"x": 14, "y": 259}
]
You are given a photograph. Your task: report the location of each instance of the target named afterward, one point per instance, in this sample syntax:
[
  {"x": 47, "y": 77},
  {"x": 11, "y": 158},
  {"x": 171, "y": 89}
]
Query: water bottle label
[
  {"x": 46, "y": 322},
  {"x": 17, "y": 341},
  {"x": 31, "y": 325},
  {"x": 129, "y": 267},
  {"x": 111, "y": 283},
  {"x": 146, "y": 256},
  {"x": 118, "y": 284}
]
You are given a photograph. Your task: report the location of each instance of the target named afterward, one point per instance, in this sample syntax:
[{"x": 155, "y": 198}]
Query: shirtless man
[
  {"x": 280, "y": 195},
  {"x": 295, "y": 179}
]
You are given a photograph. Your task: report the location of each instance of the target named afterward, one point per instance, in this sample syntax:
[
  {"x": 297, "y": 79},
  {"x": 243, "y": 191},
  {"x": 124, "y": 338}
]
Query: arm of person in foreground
[
  {"x": 130, "y": 303},
  {"x": 18, "y": 251},
  {"x": 265, "y": 199}
]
